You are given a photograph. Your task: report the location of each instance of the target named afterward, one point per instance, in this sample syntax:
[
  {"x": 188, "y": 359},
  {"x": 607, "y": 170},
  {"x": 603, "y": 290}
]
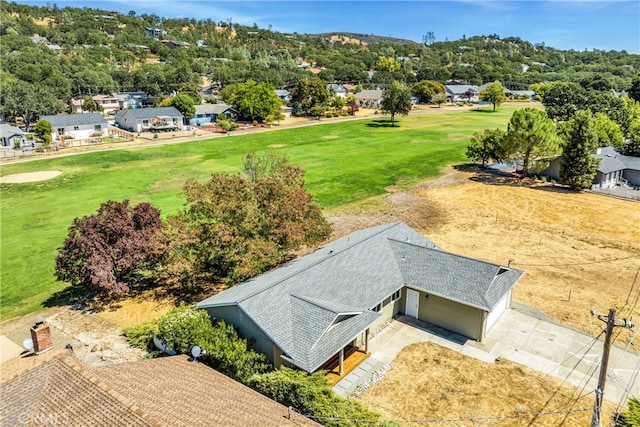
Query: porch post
[
  {"x": 366, "y": 341},
  {"x": 341, "y": 359}
]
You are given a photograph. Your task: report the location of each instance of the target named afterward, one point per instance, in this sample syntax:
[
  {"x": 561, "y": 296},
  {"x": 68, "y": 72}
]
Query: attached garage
[{"x": 461, "y": 294}]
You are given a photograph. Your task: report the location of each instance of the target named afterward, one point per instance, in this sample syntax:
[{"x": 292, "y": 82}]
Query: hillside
[{"x": 67, "y": 52}]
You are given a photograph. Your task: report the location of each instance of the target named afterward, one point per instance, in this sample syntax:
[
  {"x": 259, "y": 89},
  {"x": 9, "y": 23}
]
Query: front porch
[{"x": 343, "y": 363}]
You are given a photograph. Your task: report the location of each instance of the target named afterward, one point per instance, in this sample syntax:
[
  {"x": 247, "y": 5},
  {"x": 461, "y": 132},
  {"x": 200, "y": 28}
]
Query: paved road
[{"x": 546, "y": 347}]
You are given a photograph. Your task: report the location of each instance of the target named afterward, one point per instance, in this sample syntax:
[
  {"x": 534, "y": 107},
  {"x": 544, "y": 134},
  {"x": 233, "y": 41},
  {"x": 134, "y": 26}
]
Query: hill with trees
[{"x": 51, "y": 53}]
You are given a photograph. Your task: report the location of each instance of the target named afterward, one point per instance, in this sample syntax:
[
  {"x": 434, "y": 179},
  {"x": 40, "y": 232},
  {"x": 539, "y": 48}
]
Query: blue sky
[{"x": 564, "y": 24}]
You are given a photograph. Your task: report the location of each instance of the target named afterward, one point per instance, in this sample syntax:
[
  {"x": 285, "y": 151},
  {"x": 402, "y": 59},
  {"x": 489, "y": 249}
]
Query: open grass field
[{"x": 346, "y": 163}]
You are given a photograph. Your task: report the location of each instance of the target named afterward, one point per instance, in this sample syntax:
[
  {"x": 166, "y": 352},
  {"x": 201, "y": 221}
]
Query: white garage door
[{"x": 500, "y": 308}]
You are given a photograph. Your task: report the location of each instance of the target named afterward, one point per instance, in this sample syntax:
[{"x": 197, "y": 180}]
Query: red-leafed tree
[
  {"x": 112, "y": 250},
  {"x": 237, "y": 226}
]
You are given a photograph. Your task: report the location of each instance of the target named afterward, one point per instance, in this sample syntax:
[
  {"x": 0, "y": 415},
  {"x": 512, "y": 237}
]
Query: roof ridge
[
  {"x": 331, "y": 254},
  {"x": 452, "y": 254}
]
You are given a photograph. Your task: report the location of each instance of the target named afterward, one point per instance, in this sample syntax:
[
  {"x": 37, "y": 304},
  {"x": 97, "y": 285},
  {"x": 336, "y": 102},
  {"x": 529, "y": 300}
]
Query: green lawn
[{"x": 345, "y": 162}]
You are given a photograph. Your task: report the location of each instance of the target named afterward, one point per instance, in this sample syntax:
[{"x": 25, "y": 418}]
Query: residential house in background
[
  {"x": 77, "y": 126},
  {"x": 614, "y": 169},
  {"x": 109, "y": 103},
  {"x": 133, "y": 100},
  {"x": 56, "y": 388},
  {"x": 338, "y": 90},
  {"x": 11, "y": 136},
  {"x": 324, "y": 304},
  {"x": 462, "y": 93},
  {"x": 150, "y": 119},
  {"x": 208, "y": 113},
  {"x": 173, "y": 44},
  {"x": 155, "y": 32},
  {"x": 283, "y": 94},
  {"x": 369, "y": 98}
]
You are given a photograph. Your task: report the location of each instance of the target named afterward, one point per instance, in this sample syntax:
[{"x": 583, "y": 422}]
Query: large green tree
[
  {"x": 494, "y": 93},
  {"x": 608, "y": 131},
  {"x": 563, "y": 99},
  {"x": 236, "y": 227},
  {"x": 427, "y": 89},
  {"x": 488, "y": 145},
  {"x": 185, "y": 104},
  {"x": 254, "y": 101},
  {"x": 309, "y": 94},
  {"x": 580, "y": 140},
  {"x": 634, "y": 90},
  {"x": 396, "y": 99},
  {"x": 29, "y": 101},
  {"x": 531, "y": 139}
]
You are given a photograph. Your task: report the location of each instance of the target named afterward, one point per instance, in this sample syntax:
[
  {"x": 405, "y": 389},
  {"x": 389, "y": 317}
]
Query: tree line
[
  {"x": 574, "y": 124},
  {"x": 104, "y": 51}
]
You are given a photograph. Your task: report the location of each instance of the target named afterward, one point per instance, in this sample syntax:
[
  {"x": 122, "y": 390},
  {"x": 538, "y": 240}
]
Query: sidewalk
[{"x": 552, "y": 349}]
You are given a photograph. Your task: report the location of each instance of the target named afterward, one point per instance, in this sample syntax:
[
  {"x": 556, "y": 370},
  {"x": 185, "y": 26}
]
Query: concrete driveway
[{"x": 546, "y": 347}]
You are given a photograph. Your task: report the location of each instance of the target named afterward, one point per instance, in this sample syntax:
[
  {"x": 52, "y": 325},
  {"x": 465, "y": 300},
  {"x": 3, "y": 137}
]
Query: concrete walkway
[{"x": 546, "y": 347}]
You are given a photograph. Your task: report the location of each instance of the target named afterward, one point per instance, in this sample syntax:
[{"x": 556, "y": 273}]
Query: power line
[
  {"x": 574, "y": 264},
  {"x": 450, "y": 420}
]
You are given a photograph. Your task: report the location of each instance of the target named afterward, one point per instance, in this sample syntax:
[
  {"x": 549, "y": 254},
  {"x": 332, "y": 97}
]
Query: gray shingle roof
[
  {"x": 213, "y": 109},
  {"x": 611, "y": 161},
  {"x": 8, "y": 131},
  {"x": 313, "y": 306},
  {"x": 64, "y": 120},
  {"x": 149, "y": 113}
]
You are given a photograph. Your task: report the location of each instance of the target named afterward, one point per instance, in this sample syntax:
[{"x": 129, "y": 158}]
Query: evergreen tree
[{"x": 580, "y": 140}]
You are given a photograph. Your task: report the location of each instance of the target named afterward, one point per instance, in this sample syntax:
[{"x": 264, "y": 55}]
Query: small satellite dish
[
  {"x": 27, "y": 344},
  {"x": 196, "y": 351},
  {"x": 160, "y": 345}
]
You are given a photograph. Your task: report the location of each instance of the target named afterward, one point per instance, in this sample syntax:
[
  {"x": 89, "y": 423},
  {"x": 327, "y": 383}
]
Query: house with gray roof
[
  {"x": 307, "y": 311},
  {"x": 150, "y": 119},
  {"x": 461, "y": 93},
  {"x": 208, "y": 113},
  {"x": 369, "y": 98},
  {"x": 614, "y": 169},
  {"x": 11, "y": 136},
  {"x": 77, "y": 126}
]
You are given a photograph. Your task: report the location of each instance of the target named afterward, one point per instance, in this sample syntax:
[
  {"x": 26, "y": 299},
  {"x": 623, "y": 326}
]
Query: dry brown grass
[
  {"x": 429, "y": 382},
  {"x": 581, "y": 245}
]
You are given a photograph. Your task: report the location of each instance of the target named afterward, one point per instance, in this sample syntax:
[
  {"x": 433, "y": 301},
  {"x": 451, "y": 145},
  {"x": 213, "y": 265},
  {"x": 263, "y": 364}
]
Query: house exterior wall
[
  {"x": 79, "y": 132},
  {"x": 607, "y": 180},
  {"x": 247, "y": 329},
  {"x": 632, "y": 177},
  {"x": 451, "y": 315},
  {"x": 553, "y": 170},
  {"x": 389, "y": 309},
  {"x": 10, "y": 141}
]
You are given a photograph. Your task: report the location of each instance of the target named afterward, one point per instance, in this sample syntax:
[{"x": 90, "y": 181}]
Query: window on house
[
  {"x": 396, "y": 296},
  {"x": 61, "y": 131},
  {"x": 76, "y": 128},
  {"x": 377, "y": 308},
  {"x": 97, "y": 127}
]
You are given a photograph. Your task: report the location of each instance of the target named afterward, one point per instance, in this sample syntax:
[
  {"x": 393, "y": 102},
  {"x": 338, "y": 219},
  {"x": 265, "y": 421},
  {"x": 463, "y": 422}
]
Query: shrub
[
  {"x": 184, "y": 327},
  {"x": 631, "y": 418},
  {"x": 311, "y": 395},
  {"x": 141, "y": 335}
]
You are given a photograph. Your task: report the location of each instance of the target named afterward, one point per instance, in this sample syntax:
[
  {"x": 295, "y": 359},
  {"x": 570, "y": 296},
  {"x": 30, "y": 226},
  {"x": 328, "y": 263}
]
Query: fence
[{"x": 115, "y": 136}]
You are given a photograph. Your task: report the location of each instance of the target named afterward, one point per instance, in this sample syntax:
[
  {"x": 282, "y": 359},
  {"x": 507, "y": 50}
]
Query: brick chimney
[{"x": 41, "y": 336}]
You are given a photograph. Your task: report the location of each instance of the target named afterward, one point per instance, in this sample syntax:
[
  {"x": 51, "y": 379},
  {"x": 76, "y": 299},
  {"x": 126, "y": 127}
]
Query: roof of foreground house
[
  {"x": 311, "y": 306},
  {"x": 169, "y": 391}
]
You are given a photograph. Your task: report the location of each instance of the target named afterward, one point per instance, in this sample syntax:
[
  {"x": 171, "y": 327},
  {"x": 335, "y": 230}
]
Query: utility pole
[{"x": 611, "y": 322}]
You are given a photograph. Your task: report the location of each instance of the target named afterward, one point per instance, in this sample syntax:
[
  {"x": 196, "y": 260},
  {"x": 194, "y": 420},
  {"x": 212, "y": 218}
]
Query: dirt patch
[
  {"x": 20, "y": 178},
  {"x": 445, "y": 384}
]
